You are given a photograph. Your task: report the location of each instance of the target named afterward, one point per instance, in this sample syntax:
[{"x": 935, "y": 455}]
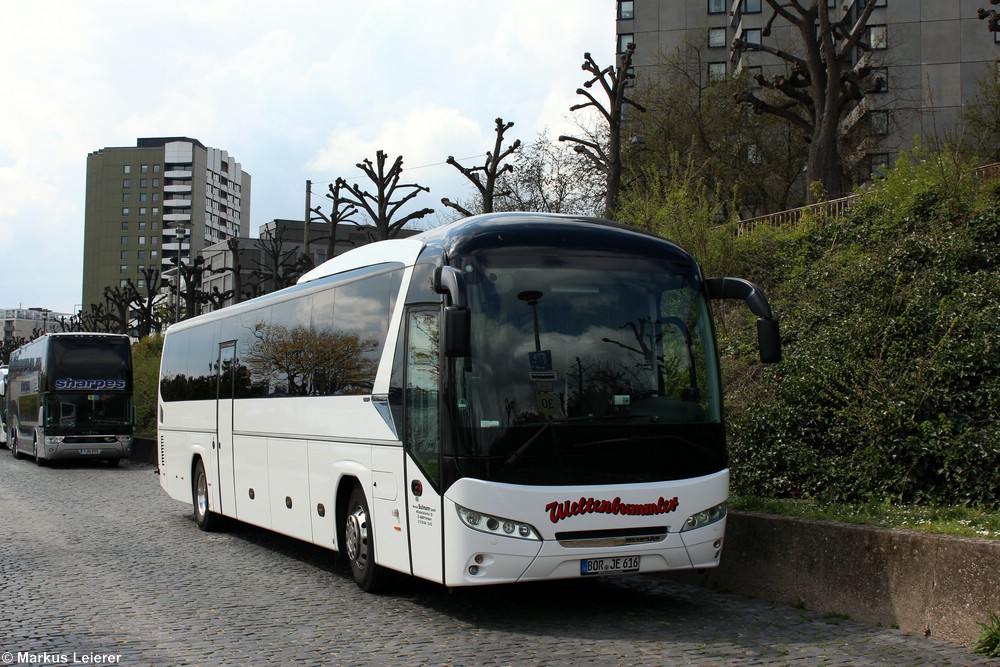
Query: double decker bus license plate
[{"x": 609, "y": 565}]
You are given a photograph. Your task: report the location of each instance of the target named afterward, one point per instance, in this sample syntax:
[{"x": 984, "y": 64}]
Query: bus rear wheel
[
  {"x": 359, "y": 543},
  {"x": 12, "y": 441},
  {"x": 206, "y": 519}
]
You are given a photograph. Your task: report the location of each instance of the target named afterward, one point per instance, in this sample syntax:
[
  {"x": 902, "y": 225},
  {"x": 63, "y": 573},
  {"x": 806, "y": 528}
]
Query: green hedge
[
  {"x": 145, "y": 375},
  {"x": 890, "y": 385}
]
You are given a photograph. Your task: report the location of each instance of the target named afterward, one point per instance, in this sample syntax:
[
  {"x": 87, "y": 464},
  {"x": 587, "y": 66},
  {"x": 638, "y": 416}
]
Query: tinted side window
[
  {"x": 173, "y": 372},
  {"x": 286, "y": 342},
  {"x": 252, "y": 353},
  {"x": 202, "y": 353},
  {"x": 348, "y": 348},
  {"x": 188, "y": 368}
]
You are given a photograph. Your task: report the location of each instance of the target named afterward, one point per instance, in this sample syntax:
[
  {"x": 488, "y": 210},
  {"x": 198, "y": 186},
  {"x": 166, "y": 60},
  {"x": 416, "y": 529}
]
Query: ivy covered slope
[{"x": 889, "y": 390}]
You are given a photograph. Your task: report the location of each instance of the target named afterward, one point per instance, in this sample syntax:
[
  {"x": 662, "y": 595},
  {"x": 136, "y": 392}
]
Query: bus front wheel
[
  {"x": 39, "y": 460},
  {"x": 359, "y": 543},
  {"x": 12, "y": 441},
  {"x": 206, "y": 519}
]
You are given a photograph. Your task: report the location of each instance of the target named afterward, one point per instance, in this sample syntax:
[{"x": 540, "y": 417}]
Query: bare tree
[
  {"x": 118, "y": 300},
  {"x": 99, "y": 318},
  {"x": 551, "y": 177},
  {"x": 756, "y": 157},
  {"x": 192, "y": 275},
  {"x": 381, "y": 207},
  {"x": 822, "y": 83},
  {"x": 71, "y": 323},
  {"x": 144, "y": 305},
  {"x": 607, "y": 158},
  {"x": 254, "y": 286},
  {"x": 236, "y": 268},
  {"x": 217, "y": 297},
  {"x": 484, "y": 177},
  {"x": 342, "y": 210},
  {"x": 278, "y": 264}
]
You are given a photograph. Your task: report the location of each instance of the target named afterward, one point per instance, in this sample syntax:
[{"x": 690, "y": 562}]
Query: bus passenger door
[
  {"x": 422, "y": 440},
  {"x": 226, "y": 376}
]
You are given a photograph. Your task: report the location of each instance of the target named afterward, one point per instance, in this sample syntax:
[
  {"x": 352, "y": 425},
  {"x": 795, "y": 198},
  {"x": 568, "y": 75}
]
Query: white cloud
[{"x": 294, "y": 91}]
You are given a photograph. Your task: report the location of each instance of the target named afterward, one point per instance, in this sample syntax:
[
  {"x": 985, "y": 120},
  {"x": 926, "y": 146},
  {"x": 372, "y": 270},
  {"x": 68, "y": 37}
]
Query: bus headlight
[
  {"x": 494, "y": 525},
  {"x": 53, "y": 439},
  {"x": 705, "y": 517},
  {"x": 124, "y": 439}
]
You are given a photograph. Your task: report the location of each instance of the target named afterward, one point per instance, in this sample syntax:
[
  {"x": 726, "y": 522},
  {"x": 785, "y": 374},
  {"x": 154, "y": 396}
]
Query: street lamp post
[{"x": 179, "y": 233}]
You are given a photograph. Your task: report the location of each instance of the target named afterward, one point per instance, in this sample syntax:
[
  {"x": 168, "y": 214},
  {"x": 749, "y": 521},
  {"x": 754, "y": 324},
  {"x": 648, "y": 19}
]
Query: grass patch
[
  {"x": 960, "y": 521},
  {"x": 989, "y": 641}
]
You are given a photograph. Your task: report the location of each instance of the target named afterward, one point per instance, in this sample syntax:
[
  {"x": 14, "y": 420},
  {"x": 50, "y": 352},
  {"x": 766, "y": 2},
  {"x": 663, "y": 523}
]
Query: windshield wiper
[{"x": 526, "y": 445}]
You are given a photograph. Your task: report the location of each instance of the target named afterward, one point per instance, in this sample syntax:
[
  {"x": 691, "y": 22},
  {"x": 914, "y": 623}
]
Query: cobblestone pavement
[{"x": 99, "y": 565}]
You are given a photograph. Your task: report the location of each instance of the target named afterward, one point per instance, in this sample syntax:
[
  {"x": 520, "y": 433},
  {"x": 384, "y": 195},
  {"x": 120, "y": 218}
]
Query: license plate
[
  {"x": 89, "y": 451},
  {"x": 609, "y": 565}
]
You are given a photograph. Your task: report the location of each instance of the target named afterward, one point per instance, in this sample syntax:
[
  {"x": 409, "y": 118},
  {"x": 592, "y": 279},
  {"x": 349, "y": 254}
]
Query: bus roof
[{"x": 490, "y": 229}]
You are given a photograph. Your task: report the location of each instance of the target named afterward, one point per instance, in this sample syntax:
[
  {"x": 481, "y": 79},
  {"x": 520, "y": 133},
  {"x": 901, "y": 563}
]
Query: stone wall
[{"x": 936, "y": 585}]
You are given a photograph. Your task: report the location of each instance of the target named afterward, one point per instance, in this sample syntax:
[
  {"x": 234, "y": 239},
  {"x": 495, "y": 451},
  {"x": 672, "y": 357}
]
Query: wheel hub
[
  {"x": 202, "y": 496},
  {"x": 356, "y": 537}
]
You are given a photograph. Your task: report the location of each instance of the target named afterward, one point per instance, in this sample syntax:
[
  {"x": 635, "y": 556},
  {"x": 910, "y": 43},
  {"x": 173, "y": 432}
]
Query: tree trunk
[{"x": 824, "y": 165}]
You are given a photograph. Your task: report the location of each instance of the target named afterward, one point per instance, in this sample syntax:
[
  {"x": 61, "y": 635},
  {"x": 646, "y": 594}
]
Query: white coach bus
[{"x": 511, "y": 397}]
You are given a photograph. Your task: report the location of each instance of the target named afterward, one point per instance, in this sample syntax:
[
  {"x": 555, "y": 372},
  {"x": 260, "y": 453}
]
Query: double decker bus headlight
[
  {"x": 494, "y": 525},
  {"x": 53, "y": 439},
  {"x": 705, "y": 517}
]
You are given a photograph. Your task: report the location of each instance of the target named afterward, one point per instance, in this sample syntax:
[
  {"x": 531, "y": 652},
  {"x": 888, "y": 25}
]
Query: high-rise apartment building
[
  {"x": 153, "y": 204},
  {"x": 931, "y": 55}
]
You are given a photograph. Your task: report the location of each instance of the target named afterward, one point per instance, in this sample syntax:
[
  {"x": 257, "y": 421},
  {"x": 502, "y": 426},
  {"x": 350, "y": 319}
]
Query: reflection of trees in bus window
[
  {"x": 325, "y": 343},
  {"x": 249, "y": 324},
  {"x": 298, "y": 362}
]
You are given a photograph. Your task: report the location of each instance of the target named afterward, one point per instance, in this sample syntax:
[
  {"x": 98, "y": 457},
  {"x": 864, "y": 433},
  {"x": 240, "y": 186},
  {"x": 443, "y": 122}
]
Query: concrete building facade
[
  {"x": 931, "y": 55},
  {"x": 150, "y": 205},
  {"x": 27, "y": 322},
  {"x": 253, "y": 254}
]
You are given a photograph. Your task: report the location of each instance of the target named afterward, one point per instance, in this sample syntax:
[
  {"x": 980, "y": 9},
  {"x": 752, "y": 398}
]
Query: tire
[
  {"x": 39, "y": 461},
  {"x": 206, "y": 519},
  {"x": 359, "y": 543},
  {"x": 12, "y": 443}
]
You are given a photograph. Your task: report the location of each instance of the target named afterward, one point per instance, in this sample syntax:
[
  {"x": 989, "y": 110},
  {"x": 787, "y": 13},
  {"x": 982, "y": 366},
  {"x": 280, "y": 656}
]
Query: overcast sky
[{"x": 292, "y": 90}]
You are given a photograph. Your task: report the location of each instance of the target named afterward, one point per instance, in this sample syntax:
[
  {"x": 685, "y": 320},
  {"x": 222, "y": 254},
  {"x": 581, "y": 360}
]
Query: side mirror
[
  {"x": 456, "y": 332},
  {"x": 769, "y": 341},
  {"x": 768, "y": 337},
  {"x": 457, "y": 325}
]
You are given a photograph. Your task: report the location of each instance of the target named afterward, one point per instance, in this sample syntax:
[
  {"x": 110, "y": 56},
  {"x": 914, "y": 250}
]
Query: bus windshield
[
  {"x": 78, "y": 410},
  {"x": 89, "y": 386},
  {"x": 586, "y": 369}
]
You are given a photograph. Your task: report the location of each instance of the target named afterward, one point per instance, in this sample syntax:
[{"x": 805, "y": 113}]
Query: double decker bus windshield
[
  {"x": 585, "y": 369},
  {"x": 89, "y": 385}
]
